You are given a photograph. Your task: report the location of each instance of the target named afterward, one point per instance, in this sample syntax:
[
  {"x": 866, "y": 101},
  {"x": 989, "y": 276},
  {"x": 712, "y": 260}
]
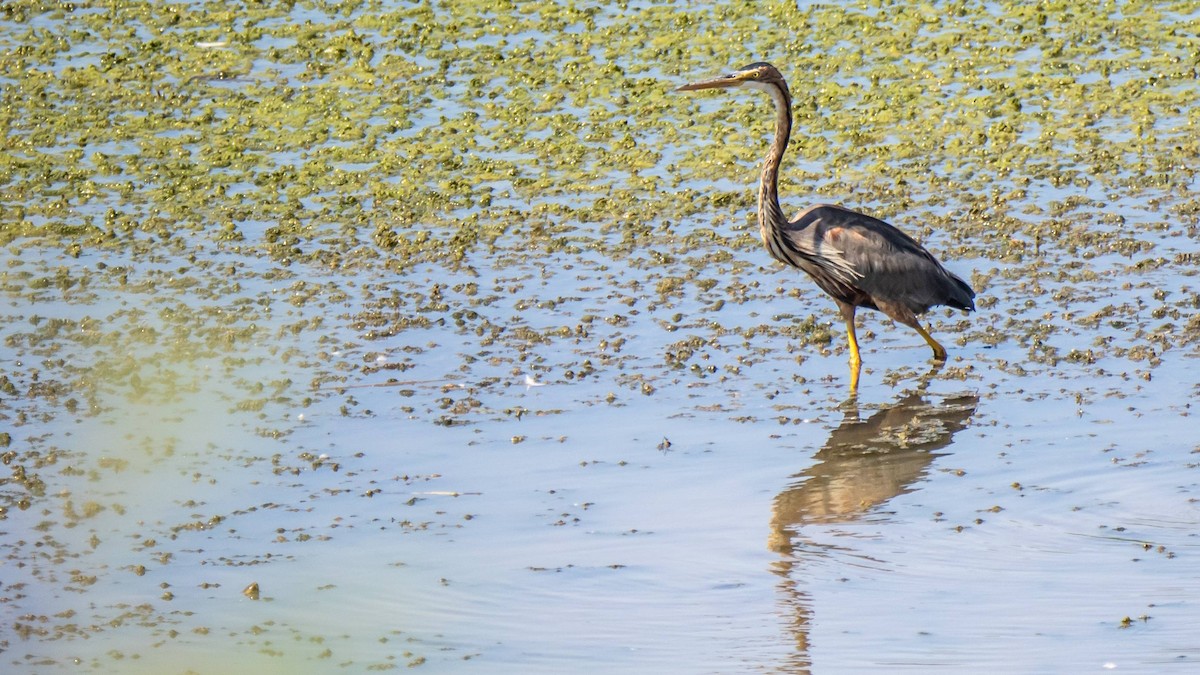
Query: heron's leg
[
  {"x": 848, "y": 316},
  {"x": 852, "y": 339},
  {"x": 939, "y": 352}
]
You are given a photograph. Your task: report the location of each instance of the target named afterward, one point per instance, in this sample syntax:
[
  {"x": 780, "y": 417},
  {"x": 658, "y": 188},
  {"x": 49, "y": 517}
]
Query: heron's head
[{"x": 756, "y": 75}]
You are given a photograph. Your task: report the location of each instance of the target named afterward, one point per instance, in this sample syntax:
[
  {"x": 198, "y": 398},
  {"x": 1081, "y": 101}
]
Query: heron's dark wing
[{"x": 890, "y": 265}]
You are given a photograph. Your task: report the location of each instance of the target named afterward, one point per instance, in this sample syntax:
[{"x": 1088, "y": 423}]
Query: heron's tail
[{"x": 961, "y": 296}]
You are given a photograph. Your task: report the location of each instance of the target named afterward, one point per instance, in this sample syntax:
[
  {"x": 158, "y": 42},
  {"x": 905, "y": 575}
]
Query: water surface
[{"x": 447, "y": 326}]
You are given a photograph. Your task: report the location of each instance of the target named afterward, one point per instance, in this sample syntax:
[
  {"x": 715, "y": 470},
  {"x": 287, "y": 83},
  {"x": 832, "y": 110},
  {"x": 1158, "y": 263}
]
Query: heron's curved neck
[{"x": 770, "y": 215}]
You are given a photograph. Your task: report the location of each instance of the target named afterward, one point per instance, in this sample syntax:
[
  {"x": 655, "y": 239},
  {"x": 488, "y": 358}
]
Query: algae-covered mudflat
[{"x": 361, "y": 336}]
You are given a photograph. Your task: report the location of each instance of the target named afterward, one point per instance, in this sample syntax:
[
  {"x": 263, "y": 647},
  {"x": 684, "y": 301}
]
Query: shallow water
[{"x": 460, "y": 345}]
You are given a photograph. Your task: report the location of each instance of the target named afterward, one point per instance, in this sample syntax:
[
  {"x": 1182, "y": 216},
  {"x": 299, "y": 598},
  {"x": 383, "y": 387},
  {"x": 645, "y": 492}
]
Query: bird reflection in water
[{"x": 865, "y": 463}]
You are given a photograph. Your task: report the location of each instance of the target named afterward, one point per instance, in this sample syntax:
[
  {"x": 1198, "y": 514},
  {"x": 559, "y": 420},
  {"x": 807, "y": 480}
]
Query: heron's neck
[{"x": 770, "y": 215}]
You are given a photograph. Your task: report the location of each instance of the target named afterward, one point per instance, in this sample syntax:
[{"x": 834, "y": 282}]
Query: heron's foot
[
  {"x": 855, "y": 369},
  {"x": 939, "y": 352}
]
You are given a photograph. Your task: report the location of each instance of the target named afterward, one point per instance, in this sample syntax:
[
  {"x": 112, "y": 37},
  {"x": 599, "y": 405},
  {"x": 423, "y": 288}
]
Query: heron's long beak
[{"x": 716, "y": 83}]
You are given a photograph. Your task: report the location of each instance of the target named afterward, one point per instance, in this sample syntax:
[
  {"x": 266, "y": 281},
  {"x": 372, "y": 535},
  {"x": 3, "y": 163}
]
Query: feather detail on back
[{"x": 874, "y": 259}]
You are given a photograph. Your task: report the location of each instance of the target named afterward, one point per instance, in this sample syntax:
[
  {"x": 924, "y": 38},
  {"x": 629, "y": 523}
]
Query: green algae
[{"x": 339, "y": 190}]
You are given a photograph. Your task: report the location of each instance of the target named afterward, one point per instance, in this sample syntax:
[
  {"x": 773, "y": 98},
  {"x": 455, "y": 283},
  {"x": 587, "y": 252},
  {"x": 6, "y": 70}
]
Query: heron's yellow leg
[
  {"x": 939, "y": 352},
  {"x": 855, "y": 358}
]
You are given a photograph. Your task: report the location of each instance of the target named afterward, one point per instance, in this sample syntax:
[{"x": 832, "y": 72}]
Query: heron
[{"x": 859, "y": 260}]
